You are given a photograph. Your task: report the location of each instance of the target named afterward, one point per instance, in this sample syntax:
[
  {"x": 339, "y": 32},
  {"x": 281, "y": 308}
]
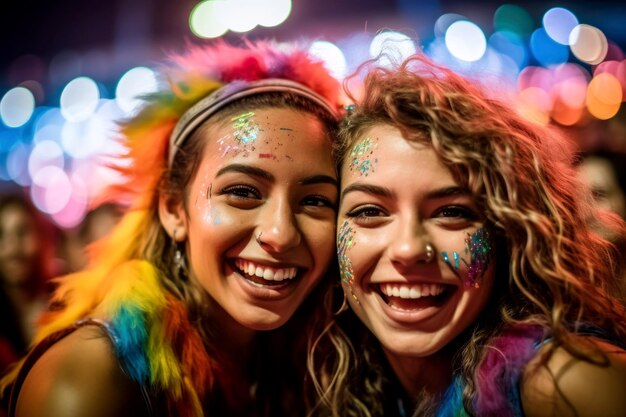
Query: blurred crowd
[{"x": 33, "y": 251}]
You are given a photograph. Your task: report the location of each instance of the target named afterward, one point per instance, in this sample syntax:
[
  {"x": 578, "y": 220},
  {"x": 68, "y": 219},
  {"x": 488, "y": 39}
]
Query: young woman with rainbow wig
[
  {"x": 476, "y": 286},
  {"x": 201, "y": 300}
]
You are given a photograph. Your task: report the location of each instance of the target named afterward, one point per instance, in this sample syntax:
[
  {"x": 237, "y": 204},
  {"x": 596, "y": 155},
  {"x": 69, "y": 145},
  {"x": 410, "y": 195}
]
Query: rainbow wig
[{"x": 155, "y": 340}]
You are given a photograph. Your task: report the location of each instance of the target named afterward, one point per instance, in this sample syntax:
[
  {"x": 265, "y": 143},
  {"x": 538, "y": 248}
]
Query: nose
[
  {"x": 410, "y": 245},
  {"x": 278, "y": 230}
]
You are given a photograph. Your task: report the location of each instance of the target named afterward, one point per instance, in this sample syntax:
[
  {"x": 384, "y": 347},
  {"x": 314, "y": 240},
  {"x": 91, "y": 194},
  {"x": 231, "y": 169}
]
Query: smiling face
[
  {"x": 415, "y": 259},
  {"x": 260, "y": 221}
]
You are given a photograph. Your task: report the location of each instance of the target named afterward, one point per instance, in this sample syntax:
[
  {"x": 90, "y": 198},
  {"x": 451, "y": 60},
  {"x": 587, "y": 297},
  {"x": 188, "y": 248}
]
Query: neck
[
  {"x": 234, "y": 344},
  {"x": 418, "y": 375}
]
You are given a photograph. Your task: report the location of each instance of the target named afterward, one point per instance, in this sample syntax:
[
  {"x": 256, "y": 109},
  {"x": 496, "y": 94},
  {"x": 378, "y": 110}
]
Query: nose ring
[
  {"x": 257, "y": 237},
  {"x": 430, "y": 253}
]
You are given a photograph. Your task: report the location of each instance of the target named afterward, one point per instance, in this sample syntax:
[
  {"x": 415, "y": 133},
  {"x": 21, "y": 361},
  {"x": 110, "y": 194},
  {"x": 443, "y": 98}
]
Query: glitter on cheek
[
  {"x": 362, "y": 160},
  {"x": 213, "y": 216},
  {"x": 345, "y": 241},
  {"x": 479, "y": 247}
]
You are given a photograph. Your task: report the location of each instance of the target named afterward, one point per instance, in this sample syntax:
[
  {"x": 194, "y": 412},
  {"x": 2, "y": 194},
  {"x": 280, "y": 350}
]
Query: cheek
[
  {"x": 469, "y": 256},
  {"x": 357, "y": 251}
]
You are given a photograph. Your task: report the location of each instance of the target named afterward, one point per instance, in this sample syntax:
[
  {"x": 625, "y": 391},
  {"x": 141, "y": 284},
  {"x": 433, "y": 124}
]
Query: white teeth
[
  {"x": 265, "y": 272},
  {"x": 411, "y": 291}
]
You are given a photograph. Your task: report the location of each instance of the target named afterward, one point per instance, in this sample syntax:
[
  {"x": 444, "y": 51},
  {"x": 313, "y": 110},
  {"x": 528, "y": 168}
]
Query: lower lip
[{"x": 413, "y": 316}]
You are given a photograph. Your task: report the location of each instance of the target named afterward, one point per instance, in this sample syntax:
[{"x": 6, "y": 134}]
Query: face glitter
[
  {"x": 345, "y": 241},
  {"x": 361, "y": 157},
  {"x": 479, "y": 247},
  {"x": 245, "y": 128}
]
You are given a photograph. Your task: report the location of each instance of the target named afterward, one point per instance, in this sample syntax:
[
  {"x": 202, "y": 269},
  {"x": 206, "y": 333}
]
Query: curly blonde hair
[{"x": 552, "y": 269}]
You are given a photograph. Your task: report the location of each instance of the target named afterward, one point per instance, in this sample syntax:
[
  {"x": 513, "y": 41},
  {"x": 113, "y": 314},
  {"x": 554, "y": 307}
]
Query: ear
[{"x": 173, "y": 217}]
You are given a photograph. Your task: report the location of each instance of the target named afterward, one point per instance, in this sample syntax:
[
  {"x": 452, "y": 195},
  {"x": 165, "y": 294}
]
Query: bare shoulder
[
  {"x": 569, "y": 386},
  {"x": 79, "y": 376}
]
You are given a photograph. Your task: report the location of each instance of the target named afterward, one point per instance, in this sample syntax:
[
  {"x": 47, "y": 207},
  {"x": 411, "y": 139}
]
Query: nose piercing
[
  {"x": 257, "y": 237},
  {"x": 430, "y": 253}
]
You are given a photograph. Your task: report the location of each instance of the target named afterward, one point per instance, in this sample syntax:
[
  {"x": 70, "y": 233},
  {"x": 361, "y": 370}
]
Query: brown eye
[{"x": 242, "y": 191}]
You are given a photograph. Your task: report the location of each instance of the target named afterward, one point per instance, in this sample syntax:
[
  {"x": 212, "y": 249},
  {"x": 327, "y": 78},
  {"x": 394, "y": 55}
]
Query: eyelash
[
  {"x": 362, "y": 212},
  {"x": 325, "y": 202},
  {"x": 457, "y": 212},
  {"x": 238, "y": 191},
  {"x": 370, "y": 213},
  {"x": 245, "y": 192}
]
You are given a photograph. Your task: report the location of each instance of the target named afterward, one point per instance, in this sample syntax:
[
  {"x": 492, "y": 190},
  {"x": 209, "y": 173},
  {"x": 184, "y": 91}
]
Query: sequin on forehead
[
  {"x": 245, "y": 129},
  {"x": 362, "y": 160}
]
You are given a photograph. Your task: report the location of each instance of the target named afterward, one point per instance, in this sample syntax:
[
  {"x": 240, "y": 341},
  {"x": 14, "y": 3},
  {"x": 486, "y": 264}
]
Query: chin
[{"x": 266, "y": 321}]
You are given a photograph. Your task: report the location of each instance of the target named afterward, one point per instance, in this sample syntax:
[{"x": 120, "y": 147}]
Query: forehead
[
  {"x": 382, "y": 151},
  {"x": 268, "y": 134}
]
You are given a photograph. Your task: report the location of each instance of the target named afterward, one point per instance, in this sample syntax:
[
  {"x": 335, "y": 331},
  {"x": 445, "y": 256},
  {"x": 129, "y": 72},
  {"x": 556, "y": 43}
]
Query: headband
[{"x": 231, "y": 92}]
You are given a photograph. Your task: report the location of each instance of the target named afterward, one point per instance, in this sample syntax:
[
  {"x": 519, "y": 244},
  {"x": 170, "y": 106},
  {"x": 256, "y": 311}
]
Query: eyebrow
[
  {"x": 446, "y": 192},
  {"x": 264, "y": 175},
  {"x": 368, "y": 189},
  {"x": 246, "y": 169},
  {"x": 386, "y": 192},
  {"x": 319, "y": 179}
]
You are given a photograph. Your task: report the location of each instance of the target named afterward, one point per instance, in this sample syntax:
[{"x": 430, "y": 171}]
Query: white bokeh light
[
  {"x": 274, "y": 12},
  {"x": 466, "y": 41},
  {"x": 241, "y": 15},
  {"x": 135, "y": 83},
  {"x": 392, "y": 47},
  {"x": 17, "y": 106},
  {"x": 206, "y": 19},
  {"x": 79, "y": 99},
  {"x": 332, "y": 57}
]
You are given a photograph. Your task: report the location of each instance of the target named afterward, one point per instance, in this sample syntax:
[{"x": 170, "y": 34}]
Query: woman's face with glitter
[
  {"x": 260, "y": 221},
  {"x": 397, "y": 199}
]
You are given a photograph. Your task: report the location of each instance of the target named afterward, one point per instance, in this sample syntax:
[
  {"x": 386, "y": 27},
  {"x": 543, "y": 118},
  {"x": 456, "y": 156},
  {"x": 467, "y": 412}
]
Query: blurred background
[{"x": 71, "y": 68}]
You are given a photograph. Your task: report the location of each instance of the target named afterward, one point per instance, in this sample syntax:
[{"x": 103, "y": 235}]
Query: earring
[{"x": 180, "y": 263}]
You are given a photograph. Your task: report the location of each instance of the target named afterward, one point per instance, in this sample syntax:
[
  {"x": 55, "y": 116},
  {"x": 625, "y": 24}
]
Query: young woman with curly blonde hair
[{"x": 476, "y": 286}]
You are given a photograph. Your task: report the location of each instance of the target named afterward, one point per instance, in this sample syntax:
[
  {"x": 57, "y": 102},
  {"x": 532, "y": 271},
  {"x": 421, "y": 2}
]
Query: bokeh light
[
  {"x": 205, "y": 19},
  {"x": 134, "y": 84},
  {"x": 466, "y": 40},
  {"x": 45, "y": 153},
  {"x": 588, "y": 44},
  {"x": 604, "y": 96},
  {"x": 392, "y": 47},
  {"x": 332, "y": 57},
  {"x": 512, "y": 18},
  {"x": 546, "y": 50},
  {"x": 17, "y": 106},
  {"x": 213, "y": 18},
  {"x": 51, "y": 189},
  {"x": 79, "y": 99},
  {"x": 559, "y": 23}
]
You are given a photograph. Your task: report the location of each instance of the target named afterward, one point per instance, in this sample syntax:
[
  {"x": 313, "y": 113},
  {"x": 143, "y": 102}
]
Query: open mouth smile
[
  {"x": 265, "y": 275},
  {"x": 411, "y": 297}
]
